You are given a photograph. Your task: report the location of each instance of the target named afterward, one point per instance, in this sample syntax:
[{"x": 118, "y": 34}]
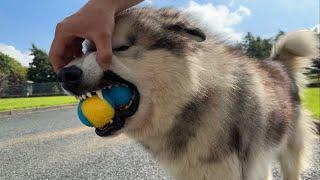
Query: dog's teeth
[
  {"x": 110, "y": 86},
  {"x": 80, "y": 97},
  {"x": 84, "y": 96},
  {"x": 89, "y": 94},
  {"x": 130, "y": 103},
  {"x": 99, "y": 93}
]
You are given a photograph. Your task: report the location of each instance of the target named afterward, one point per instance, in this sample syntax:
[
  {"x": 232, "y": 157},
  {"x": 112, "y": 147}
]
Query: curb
[{"x": 32, "y": 110}]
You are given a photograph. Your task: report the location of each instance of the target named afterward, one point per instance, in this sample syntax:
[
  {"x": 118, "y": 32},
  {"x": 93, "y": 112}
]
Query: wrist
[{"x": 121, "y": 5}]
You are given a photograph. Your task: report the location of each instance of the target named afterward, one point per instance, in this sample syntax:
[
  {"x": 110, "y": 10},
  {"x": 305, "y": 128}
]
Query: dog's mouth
[{"x": 122, "y": 113}]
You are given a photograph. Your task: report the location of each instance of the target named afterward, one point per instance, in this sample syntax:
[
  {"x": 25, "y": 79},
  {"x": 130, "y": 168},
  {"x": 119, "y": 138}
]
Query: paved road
[{"x": 54, "y": 145}]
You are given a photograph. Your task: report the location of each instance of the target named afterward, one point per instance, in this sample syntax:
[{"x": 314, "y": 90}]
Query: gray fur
[
  {"x": 187, "y": 123},
  {"x": 245, "y": 115}
]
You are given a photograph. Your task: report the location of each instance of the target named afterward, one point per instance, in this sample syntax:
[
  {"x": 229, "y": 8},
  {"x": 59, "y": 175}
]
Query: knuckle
[
  {"x": 59, "y": 27},
  {"x": 106, "y": 56},
  {"x": 103, "y": 35}
]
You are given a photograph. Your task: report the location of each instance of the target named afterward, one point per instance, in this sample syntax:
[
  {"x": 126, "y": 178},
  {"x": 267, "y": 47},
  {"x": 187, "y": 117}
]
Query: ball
[
  {"x": 95, "y": 112},
  {"x": 98, "y": 111}
]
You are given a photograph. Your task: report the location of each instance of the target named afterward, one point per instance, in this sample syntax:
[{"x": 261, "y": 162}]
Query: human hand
[{"x": 95, "y": 22}]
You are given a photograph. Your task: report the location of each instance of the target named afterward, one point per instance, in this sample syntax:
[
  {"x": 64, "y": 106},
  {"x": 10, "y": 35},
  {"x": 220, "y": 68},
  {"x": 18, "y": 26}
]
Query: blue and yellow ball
[{"x": 97, "y": 112}]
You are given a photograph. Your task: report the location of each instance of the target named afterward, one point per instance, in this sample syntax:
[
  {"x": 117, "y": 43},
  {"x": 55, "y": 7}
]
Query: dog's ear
[{"x": 188, "y": 31}]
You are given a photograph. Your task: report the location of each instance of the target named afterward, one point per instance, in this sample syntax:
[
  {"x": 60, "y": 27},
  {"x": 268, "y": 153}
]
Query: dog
[{"x": 205, "y": 110}]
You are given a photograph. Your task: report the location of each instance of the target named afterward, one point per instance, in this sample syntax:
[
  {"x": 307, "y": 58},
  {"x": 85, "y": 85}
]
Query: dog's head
[{"x": 154, "y": 52}]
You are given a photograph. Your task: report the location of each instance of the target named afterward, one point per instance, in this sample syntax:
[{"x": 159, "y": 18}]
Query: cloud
[
  {"x": 23, "y": 57},
  {"x": 218, "y": 18}
]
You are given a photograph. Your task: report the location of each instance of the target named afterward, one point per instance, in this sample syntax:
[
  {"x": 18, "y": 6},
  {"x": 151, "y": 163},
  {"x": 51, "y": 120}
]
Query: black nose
[{"x": 70, "y": 74}]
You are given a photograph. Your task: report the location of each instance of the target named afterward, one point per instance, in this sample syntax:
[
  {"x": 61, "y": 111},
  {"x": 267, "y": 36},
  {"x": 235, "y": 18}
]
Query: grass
[
  {"x": 311, "y": 99},
  {"x": 22, "y": 103}
]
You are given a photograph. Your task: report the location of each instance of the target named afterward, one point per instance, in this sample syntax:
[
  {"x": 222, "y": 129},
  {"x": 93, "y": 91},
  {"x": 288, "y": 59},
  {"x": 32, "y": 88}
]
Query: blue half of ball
[
  {"x": 119, "y": 96},
  {"x": 82, "y": 117},
  {"x": 108, "y": 98}
]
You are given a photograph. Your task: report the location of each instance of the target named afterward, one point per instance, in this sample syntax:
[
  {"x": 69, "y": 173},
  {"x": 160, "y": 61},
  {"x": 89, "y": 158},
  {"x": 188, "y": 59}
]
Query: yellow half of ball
[{"x": 97, "y": 111}]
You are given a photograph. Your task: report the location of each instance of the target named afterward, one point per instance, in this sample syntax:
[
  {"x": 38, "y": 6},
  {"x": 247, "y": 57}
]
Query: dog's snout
[{"x": 70, "y": 74}]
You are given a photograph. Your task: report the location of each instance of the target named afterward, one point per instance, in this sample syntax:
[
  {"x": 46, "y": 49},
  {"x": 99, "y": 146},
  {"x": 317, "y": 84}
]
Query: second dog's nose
[{"x": 70, "y": 74}]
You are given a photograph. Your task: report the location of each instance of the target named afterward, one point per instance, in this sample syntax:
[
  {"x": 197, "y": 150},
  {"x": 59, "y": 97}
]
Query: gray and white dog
[{"x": 205, "y": 110}]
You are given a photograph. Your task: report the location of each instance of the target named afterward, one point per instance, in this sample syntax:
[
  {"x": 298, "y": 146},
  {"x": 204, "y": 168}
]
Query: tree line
[
  {"x": 40, "y": 70},
  {"x": 14, "y": 76}
]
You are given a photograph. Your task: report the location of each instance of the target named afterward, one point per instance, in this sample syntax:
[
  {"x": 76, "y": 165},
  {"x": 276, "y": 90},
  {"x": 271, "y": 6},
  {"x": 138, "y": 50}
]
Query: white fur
[
  {"x": 303, "y": 43},
  {"x": 86, "y": 64}
]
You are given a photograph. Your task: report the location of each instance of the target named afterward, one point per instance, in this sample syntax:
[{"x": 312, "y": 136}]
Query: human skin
[{"x": 95, "y": 22}]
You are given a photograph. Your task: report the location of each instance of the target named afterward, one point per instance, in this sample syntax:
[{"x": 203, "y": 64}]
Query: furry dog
[{"x": 206, "y": 111}]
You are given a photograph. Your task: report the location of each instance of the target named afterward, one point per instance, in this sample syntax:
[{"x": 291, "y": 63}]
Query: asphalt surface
[{"x": 54, "y": 145}]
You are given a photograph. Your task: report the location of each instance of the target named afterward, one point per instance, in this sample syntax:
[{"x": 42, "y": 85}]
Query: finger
[
  {"x": 62, "y": 46},
  {"x": 59, "y": 47},
  {"x": 77, "y": 47},
  {"x": 57, "y": 53},
  {"x": 60, "y": 54},
  {"x": 104, "y": 50},
  {"x": 68, "y": 56}
]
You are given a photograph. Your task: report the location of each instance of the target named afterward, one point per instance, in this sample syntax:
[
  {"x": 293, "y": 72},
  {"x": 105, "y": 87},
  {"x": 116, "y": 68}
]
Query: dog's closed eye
[{"x": 121, "y": 48}]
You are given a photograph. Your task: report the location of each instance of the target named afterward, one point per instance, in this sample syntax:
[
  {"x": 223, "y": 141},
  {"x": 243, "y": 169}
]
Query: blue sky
[{"x": 33, "y": 21}]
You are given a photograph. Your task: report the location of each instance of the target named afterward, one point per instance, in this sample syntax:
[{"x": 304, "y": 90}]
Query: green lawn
[
  {"x": 21, "y": 103},
  {"x": 311, "y": 99}
]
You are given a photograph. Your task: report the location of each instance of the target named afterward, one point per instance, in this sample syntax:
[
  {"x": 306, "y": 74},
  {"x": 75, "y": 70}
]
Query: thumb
[{"x": 104, "y": 52}]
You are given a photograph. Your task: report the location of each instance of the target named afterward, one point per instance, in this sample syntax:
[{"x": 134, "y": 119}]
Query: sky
[{"x": 25, "y": 22}]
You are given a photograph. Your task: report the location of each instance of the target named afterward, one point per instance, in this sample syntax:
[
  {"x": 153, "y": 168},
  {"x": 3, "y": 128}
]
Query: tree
[
  {"x": 313, "y": 72},
  {"x": 280, "y": 33},
  {"x": 12, "y": 75},
  {"x": 9, "y": 65},
  {"x": 42, "y": 74},
  {"x": 2, "y": 84},
  {"x": 40, "y": 69},
  {"x": 257, "y": 47}
]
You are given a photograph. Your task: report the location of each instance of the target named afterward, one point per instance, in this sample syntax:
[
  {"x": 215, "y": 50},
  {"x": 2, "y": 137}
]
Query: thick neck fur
[{"x": 169, "y": 110}]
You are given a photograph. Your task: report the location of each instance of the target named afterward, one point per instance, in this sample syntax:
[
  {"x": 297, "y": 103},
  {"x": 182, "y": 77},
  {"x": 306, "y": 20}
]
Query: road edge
[{"x": 32, "y": 110}]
